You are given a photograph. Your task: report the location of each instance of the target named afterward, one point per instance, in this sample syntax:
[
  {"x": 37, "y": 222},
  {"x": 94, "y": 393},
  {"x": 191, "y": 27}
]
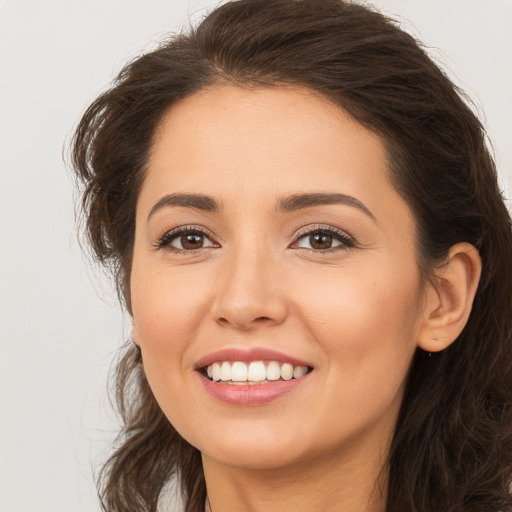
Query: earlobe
[{"x": 450, "y": 298}]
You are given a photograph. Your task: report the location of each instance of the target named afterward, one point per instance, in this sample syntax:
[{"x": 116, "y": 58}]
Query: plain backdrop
[{"x": 60, "y": 323}]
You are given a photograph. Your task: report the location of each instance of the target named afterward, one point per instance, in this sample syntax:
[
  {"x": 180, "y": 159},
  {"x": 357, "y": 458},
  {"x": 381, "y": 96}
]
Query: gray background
[{"x": 60, "y": 323}]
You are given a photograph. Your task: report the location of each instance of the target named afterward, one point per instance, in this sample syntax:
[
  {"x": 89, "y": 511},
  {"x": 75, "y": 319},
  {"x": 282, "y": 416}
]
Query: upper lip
[{"x": 248, "y": 355}]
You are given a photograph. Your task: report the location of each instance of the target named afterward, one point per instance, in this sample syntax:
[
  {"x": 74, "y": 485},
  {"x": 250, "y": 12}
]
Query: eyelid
[{"x": 321, "y": 227}]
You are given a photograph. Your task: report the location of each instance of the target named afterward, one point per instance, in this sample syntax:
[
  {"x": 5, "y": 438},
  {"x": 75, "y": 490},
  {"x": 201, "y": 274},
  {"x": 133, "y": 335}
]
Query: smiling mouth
[{"x": 255, "y": 372}]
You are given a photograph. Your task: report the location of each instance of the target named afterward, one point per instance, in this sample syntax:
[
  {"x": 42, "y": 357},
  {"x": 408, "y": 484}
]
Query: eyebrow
[
  {"x": 197, "y": 201},
  {"x": 303, "y": 201},
  {"x": 284, "y": 205}
]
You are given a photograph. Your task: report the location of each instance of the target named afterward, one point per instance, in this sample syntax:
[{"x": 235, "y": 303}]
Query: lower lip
[{"x": 251, "y": 395}]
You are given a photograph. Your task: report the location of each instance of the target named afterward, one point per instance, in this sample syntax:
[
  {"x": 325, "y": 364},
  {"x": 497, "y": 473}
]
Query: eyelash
[{"x": 338, "y": 235}]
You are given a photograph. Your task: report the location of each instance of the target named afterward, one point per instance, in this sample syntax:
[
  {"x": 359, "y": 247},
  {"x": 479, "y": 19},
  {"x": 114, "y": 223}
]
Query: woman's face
[{"x": 267, "y": 232}]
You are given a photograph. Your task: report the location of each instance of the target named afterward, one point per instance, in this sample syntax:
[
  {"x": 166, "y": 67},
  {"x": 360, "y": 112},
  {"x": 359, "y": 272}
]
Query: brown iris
[
  {"x": 320, "y": 241},
  {"x": 192, "y": 241}
]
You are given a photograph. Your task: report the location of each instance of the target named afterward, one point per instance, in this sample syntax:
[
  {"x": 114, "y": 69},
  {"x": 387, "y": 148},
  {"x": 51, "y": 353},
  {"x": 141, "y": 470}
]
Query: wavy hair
[{"x": 452, "y": 447}]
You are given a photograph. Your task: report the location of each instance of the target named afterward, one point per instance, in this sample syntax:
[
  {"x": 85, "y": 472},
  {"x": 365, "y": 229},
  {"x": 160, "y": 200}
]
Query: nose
[{"x": 249, "y": 294}]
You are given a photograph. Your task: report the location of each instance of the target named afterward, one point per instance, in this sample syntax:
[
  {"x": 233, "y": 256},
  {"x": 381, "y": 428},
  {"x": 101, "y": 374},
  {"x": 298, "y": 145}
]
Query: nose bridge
[{"x": 248, "y": 287}]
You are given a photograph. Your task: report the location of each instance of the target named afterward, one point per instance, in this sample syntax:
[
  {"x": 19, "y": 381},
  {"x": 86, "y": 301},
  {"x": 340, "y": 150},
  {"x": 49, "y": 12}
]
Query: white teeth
[
  {"x": 239, "y": 372},
  {"x": 256, "y": 372},
  {"x": 225, "y": 371},
  {"x": 273, "y": 371},
  {"x": 286, "y": 371},
  {"x": 299, "y": 371}
]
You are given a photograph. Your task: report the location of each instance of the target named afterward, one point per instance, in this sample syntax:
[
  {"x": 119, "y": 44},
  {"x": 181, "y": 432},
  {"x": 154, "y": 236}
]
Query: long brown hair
[{"x": 452, "y": 449}]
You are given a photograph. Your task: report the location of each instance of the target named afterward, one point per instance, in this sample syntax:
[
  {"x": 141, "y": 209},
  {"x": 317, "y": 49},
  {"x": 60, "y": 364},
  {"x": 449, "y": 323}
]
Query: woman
[{"x": 306, "y": 228}]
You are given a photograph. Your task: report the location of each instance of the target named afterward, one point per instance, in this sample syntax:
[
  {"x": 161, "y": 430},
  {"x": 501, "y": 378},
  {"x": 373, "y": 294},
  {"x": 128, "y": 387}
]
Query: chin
[{"x": 255, "y": 457}]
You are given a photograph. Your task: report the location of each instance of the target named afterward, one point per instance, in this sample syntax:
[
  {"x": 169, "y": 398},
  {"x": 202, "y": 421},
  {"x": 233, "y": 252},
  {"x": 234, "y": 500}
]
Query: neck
[{"x": 353, "y": 481}]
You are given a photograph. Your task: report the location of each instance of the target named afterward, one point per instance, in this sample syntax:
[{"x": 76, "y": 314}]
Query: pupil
[{"x": 321, "y": 241}]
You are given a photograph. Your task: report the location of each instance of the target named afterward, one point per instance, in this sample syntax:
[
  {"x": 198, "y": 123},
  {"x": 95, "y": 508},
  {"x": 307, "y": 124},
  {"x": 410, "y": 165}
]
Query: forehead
[{"x": 285, "y": 137}]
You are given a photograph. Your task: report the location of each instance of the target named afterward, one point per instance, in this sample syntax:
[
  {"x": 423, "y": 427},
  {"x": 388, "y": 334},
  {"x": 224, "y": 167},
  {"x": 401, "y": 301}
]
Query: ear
[{"x": 449, "y": 298}]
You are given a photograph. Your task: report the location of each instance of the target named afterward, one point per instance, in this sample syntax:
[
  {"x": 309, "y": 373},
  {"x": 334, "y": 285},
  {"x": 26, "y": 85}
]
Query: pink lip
[
  {"x": 248, "y": 355},
  {"x": 251, "y": 395}
]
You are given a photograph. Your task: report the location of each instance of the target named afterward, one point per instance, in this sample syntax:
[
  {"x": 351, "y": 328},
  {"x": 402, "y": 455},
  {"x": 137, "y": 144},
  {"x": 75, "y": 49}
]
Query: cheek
[
  {"x": 166, "y": 306},
  {"x": 166, "y": 310},
  {"x": 366, "y": 325},
  {"x": 347, "y": 301},
  {"x": 366, "y": 331},
  {"x": 170, "y": 307}
]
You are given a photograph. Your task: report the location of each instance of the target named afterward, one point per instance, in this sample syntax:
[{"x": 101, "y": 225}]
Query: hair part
[{"x": 452, "y": 448}]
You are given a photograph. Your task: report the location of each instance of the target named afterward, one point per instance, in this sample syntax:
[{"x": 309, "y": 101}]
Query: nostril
[{"x": 244, "y": 326}]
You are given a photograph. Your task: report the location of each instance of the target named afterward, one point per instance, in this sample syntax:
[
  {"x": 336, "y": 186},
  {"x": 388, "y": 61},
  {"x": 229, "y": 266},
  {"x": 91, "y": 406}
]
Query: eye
[
  {"x": 185, "y": 239},
  {"x": 323, "y": 239}
]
